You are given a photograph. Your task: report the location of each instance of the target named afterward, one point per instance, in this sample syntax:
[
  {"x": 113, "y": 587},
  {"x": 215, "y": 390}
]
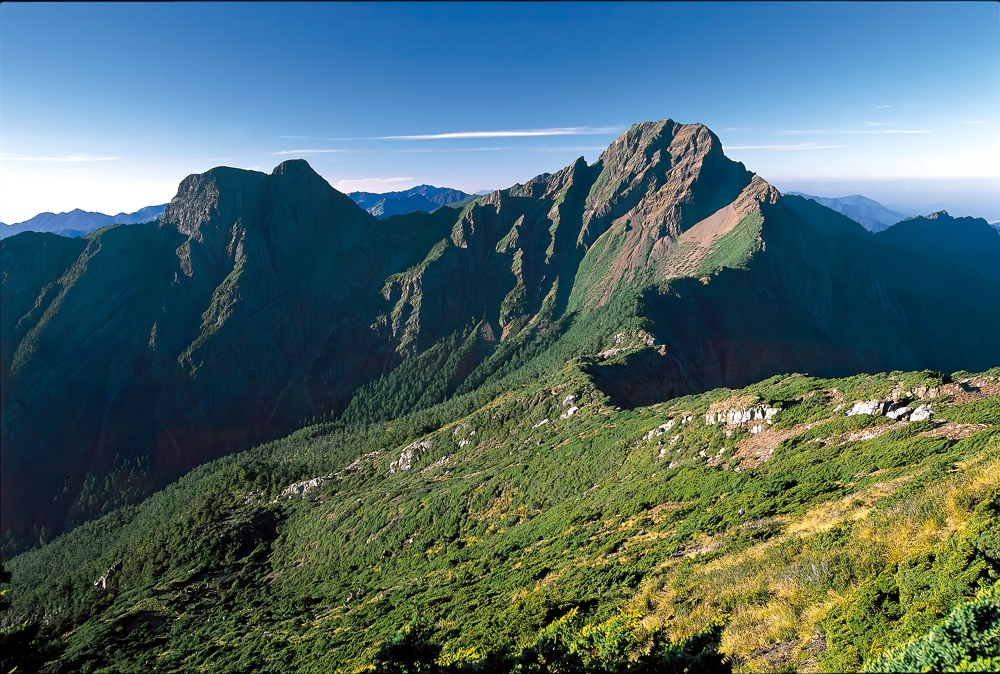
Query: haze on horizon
[{"x": 107, "y": 107}]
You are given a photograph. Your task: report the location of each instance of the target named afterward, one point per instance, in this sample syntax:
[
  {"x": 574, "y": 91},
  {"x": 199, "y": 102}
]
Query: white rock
[
  {"x": 899, "y": 413},
  {"x": 301, "y": 487},
  {"x": 659, "y": 430},
  {"x": 568, "y": 413},
  {"x": 922, "y": 413},
  {"x": 409, "y": 455},
  {"x": 867, "y": 407}
]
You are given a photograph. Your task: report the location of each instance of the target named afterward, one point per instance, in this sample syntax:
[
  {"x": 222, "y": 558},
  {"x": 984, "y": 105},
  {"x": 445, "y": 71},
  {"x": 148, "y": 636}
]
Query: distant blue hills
[
  {"x": 78, "y": 222},
  {"x": 421, "y": 198},
  {"x": 869, "y": 213}
]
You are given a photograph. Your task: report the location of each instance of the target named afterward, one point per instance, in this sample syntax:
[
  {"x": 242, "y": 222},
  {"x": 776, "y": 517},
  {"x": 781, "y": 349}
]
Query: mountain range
[
  {"x": 872, "y": 215},
  {"x": 421, "y": 198},
  {"x": 78, "y": 222},
  {"x": 569, "y": 321},
  {"x": 258, "y": 300}
]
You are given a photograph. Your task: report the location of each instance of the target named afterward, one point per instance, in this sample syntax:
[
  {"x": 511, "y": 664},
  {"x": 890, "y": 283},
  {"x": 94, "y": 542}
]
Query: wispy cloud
[
  {"x": 64, "y": 158},
  {"x": 453, "y": 149},
  {"x": 730, "y": 129},
  {"x": 875, "y": 124},
  {"x": 800, "y": 146},
  {"x": 368, "y": 183},
  {"x": 583, "y": 148},
  {"x": 817, "y": 132},
  {"x": 978, "y": 121},
  {"x": 526, "y": 133},
  {"x": 882, "y": 107},
  {"x": 306, "y": 151}
]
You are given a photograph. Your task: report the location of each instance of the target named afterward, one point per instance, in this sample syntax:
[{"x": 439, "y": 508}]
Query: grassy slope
[{"x": 823, "y": 556}]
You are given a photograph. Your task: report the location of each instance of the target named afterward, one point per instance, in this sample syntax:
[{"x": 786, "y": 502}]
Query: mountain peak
[
  {"x": 292, "y": 167},
  {"x": 420, "y": 198}
]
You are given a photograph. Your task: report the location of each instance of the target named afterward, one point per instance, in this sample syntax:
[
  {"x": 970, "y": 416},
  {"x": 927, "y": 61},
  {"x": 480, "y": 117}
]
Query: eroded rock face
[{"x": 737, "y": 417}]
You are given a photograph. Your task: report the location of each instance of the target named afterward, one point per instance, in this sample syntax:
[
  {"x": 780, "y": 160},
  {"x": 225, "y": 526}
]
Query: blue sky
[{"x": 108, "y": 106}]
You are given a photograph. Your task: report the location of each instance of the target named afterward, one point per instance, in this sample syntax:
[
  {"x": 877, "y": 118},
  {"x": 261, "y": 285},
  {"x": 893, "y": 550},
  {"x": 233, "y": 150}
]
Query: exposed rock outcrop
[{"x": 300, "y": 488}]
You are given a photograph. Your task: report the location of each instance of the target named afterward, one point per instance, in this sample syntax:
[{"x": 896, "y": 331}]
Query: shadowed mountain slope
[{"x": 258, "y": 301}]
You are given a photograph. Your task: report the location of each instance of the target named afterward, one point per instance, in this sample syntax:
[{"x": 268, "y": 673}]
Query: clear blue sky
[{"x": 108, "y": 106}]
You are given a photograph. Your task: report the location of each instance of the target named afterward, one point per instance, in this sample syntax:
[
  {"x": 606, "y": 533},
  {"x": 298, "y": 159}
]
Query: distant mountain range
[
  {"x": 869, "y": 213},
  {"x": 78, "y": 222},
  {"x": 421, "y": 198}
]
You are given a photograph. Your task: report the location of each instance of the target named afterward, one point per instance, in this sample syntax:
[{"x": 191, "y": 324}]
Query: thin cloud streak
[
  {"x": 882, "y": 107},
  {"x": 801, "y": 146},
  {"x": 308, "y": 151},
  {"x": 461, "y": 149},
  {"x": 570, "y": 149},
  {"x": 795, "y": 132},
  {"x": 568, "y": 131},
  {"x": 458, "y": 135},
  {"x": 70, "y": 158},
  {"x": 981, "y": 121}
]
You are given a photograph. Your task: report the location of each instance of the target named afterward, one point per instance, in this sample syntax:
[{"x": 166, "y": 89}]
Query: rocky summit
[{"x": 257, "y": 301}]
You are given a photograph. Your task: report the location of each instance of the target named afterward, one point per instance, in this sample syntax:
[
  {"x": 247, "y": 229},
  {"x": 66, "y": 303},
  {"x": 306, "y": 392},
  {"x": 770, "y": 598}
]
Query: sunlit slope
[{"x": 823, "y": 521}]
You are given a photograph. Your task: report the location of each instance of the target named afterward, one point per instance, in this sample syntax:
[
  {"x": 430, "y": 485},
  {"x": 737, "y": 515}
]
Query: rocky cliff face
[{"x": 259, "y": 300}]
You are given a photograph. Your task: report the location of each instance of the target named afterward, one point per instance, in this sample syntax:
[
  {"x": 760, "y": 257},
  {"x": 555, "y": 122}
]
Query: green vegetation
[
  {"x": 736, "y": 248},
  {"x": 967, "y": 641},
  {"x": 496, "y": 531}
]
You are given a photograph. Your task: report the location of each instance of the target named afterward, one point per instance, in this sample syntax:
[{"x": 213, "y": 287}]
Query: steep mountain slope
[
  {"x": 421, "y": 198},
  {"x": 77, "y": 222},
  {"x": 869, "y": 213},
  {"x": 802, "y": 523},
  {"x": 257, "y": 301}
]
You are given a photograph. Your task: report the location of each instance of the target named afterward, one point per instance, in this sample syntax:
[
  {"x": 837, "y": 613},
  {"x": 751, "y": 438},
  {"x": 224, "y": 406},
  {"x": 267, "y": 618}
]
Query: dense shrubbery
[
  {"x": 615, "y": 646},
  {"x": 967, "y": 641},
  {"x": 571, "y": 540}
]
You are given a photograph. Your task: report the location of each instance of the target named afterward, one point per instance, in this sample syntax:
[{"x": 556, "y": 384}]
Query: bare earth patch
[
  {"x": 753, "y": 451},
  {"x": 976, "y": 388},
  {"x": 871, "y": 433},
  {"x": 954, "y": 431}
]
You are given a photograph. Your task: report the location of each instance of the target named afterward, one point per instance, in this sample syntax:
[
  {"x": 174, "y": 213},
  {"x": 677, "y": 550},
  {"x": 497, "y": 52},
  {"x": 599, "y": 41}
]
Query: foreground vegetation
[{"x": 543, "y": 529}]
